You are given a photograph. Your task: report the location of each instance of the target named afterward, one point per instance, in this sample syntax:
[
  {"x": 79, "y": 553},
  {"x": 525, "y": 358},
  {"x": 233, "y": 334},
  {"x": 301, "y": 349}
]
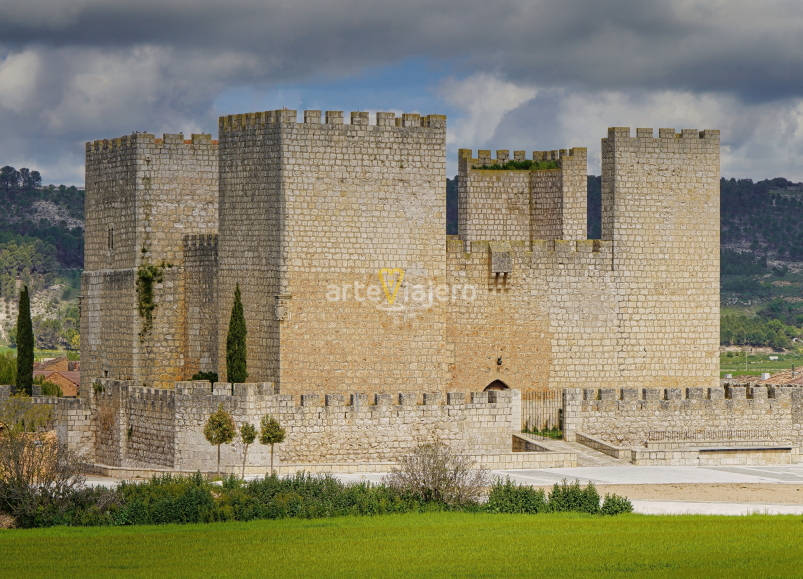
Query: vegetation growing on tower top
[{"x": 525, "y": 165}]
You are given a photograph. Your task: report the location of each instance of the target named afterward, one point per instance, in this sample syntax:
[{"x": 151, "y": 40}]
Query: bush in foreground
[
  {"x": 193, "y": 499},
  {"x": 433, "y": 472},
  {"x": 508, "y": 497}
]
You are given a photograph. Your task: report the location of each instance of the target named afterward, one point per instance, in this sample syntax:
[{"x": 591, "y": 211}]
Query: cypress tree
[
  {"x": 24, "y": 344},
  {"x": 235, "y": 342}
]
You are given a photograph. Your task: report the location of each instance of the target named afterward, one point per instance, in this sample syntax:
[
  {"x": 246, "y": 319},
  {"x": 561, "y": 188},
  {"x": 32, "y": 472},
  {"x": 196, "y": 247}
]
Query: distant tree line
[
  {"x": 765, "y": 215},
  {"x": 25, "y": 179}
]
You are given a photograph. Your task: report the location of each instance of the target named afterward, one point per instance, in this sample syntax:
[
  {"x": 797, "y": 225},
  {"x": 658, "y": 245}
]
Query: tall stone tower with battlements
[
  {"x": 151, "y": 224},
  {"x": 335, "y": 233}
]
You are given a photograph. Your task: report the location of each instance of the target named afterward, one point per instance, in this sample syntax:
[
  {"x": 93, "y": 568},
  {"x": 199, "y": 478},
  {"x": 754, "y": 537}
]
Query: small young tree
[
  {"x": 235, "y": 342},
  {"x": 219, "y": 430},
  {"x": 24, "y": 344},
  {"x": 248, "y": 433},
  {"x": 271, "y": 432}
]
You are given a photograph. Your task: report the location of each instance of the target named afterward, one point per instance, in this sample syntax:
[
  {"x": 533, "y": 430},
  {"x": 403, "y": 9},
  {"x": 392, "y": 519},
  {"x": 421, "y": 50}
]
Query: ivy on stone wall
[{"x": 147, "y": 276}]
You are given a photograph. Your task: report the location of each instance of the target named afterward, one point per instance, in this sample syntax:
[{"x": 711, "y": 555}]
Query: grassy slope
[{"x": 438, "y": 544}]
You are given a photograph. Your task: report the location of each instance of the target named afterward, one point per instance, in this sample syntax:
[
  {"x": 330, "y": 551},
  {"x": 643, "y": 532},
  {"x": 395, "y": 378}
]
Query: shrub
[
  {"x": 38, "y": 476},
  {"x": 166, "y": 499},
  {"x": 309, "y": 496},
  {"x": 8, "y": 368},
  {"x": 614, "y": 505},
  {"x": 48, "y": 388},
  {"x": 435, "y": 473},
  {"x": 508, "y": 497},
  {"x": 571, "y": 497},
  {"x": 525, "y": 165}
]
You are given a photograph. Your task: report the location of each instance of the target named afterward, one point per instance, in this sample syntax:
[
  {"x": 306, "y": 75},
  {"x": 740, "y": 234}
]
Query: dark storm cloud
[
  {"x": 748, "y": 48},
  {"x": 76, "y": 70}
]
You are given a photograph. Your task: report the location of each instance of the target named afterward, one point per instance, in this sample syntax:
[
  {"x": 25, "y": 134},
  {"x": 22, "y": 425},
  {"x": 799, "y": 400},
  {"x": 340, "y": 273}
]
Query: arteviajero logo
[
  {"x": 391, "y": 280},
  {"x": 398, "y": 295}
]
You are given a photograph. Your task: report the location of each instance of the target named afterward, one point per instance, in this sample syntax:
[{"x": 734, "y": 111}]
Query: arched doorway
[{"x": 497, "y": 385}]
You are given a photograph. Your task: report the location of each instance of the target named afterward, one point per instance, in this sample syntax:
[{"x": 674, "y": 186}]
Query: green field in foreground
[{"x": 436, "y": 544}]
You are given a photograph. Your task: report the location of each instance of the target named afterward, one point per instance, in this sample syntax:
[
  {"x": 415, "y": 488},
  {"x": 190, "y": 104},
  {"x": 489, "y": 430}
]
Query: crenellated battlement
[
  {"x": 241, "y": 122},
  {"x": 121, "y": 390},
  {"x": 466, "y": 160},
  {"x": 127, "y": 142},
  {"x": 663, "y": 134},
  {"x": 729, "y": 392}
]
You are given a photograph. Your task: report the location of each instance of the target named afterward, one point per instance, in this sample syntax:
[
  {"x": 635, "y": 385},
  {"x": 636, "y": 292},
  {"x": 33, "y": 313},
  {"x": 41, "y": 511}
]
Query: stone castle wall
[
  {"x": 201, "y": 300},
  {"x": 639, "y": 307},
  {"x": 123, "y": 425},
  {"x": 632, "y": 416},
  {"x": 319, "y": 220},
  {"x": 548, "y": 317},
  {"x": 521, "y": 205},
  {"x": 250, "y": 237},
  {"x": 660, "y": 211}
]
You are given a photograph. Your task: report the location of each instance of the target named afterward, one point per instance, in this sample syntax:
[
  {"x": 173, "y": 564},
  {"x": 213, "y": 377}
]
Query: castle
[
  {"x": 335, "y": 234},
  {"x": 370, "y": 329}
]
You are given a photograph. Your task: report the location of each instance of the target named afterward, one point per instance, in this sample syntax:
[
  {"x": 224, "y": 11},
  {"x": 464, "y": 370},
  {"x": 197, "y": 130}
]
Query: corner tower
[
  {"x": 660, "y": 211},
  {"x": 145, "y": 200}
]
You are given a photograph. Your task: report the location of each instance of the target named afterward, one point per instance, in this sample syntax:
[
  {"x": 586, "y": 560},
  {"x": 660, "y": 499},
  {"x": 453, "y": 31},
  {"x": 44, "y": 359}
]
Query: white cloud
[
  {"x": 18, "y": 74},
  {"x": 760, "y": 140},
  {"x": 484, "y": 99}
]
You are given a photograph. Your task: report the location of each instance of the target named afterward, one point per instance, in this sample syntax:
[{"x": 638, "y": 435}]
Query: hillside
[{"x": 42, "y": 246}]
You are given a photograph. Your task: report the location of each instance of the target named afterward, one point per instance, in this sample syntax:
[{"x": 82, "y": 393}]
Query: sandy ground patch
[{"x": 731, "y": 492}]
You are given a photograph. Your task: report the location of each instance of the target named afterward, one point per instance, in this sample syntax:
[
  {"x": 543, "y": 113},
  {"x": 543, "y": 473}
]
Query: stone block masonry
[
  {"x": 308, "y": 210},
  {"x": 689, "y": 416},
  {"x": 306, "y": 206},
  {"x": 126, "y": 426},
  {"x": 335, "y": 233},
  {"x": 143, "y": 195}
]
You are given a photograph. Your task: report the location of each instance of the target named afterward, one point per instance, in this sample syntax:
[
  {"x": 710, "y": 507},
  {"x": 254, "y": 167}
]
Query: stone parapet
[{"x": 134, "y": 426}]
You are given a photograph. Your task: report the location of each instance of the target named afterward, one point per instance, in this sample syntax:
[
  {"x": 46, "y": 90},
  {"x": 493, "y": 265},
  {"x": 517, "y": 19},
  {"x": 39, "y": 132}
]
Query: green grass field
[
  {"x": 437, "y": 544},
  {"x": 756, "y": 364}
]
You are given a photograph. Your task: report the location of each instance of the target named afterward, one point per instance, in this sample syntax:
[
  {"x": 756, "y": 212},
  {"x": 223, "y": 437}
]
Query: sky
[{"x": 531, "y": 75}]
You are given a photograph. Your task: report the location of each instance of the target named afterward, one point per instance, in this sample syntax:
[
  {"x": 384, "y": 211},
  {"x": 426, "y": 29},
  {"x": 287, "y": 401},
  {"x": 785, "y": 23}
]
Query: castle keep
[
  {"x": 370, "y": 329},
  {"x": 335, "y": 234}
]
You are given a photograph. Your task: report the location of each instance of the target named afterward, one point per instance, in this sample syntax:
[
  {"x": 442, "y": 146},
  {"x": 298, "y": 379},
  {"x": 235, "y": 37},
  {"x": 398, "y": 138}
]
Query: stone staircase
[
  {"x": 589, "y": 457},
  {"x": 586, "y": 457}
]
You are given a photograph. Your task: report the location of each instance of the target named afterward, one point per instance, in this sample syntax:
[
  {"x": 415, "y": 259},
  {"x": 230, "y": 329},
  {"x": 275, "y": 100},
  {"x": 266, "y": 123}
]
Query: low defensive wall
[{"x": 123, "y": 427}]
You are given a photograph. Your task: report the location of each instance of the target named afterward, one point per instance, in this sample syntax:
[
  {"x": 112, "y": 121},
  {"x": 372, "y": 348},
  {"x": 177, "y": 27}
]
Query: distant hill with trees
[{"x": 41, "y": 246}]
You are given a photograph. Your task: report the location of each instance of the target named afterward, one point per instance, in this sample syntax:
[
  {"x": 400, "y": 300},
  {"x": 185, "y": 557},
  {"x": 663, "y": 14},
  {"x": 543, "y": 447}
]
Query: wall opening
[{"x": 496, "y": 385}]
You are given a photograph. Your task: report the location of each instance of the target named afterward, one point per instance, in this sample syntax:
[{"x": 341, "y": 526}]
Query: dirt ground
[{"x": 730, "y": 493}]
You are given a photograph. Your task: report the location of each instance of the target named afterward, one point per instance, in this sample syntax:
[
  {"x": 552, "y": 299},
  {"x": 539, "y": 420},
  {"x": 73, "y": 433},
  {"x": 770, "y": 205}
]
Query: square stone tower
[
  {"x": 144, "y": 197},
  {"x": 311, "y": 213},
  {"x": 660, "y": 211}
]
